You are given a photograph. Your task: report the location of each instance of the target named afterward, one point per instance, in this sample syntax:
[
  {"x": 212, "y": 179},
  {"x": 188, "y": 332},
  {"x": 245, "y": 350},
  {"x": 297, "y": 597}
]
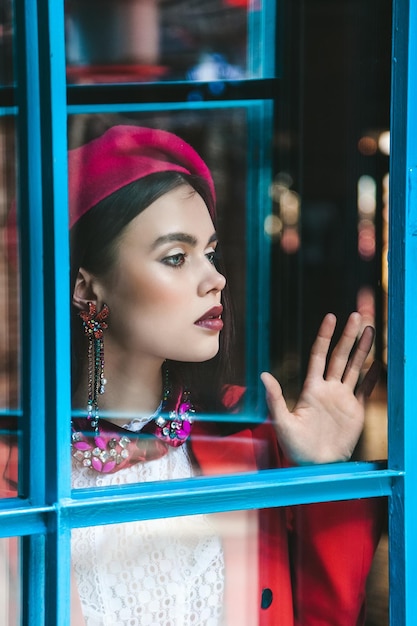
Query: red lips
[{"x": 212, "y": 319}]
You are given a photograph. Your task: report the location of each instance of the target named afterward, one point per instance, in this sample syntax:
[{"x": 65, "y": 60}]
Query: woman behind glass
[{"x": 151, "y": 340}]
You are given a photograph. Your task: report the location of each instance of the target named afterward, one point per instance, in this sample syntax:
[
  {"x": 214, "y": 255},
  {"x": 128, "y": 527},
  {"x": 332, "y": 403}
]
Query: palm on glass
[{"x": 328, "y": 418}]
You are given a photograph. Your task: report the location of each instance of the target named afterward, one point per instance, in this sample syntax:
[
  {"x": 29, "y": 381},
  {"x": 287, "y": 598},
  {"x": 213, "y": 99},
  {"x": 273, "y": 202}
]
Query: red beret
[{"x": 122, "y": 155}]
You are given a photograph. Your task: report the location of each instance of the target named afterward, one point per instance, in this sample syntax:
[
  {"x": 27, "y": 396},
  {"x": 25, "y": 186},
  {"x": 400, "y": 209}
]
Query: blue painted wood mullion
[
  {"x": 33, "y": 606},
  {"x": 402, "y": 348},
  {"x": 31, "y": 419},
  {"x": 224, "y": 493},
  {"x": 132, "y": 107},
  {"x": 257, "y": 309},
  {"x": 21, "y": 522},
  {"x": 206, "y": 494},
  {"x": 51, "y": 26},
  {"x": 261, "y": 39},
  {"x": 56, "y": 248}
]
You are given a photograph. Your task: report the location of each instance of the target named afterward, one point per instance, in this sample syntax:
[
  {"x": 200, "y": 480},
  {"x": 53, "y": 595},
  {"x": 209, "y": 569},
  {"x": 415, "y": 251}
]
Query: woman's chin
[{"x": 200, "y": 356}]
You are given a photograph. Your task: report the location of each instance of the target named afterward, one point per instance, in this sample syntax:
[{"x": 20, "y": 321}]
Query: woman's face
[{"x": 164, "y": 290}]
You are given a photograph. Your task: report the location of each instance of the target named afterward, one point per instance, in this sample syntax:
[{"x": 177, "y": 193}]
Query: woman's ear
[{"x": 84, "y": 290}]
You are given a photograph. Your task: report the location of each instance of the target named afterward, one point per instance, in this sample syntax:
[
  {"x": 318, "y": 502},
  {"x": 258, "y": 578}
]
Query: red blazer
[{"x": 311, "y": 561}]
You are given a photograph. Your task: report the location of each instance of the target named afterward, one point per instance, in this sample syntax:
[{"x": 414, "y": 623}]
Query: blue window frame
[{"x": 47, "y": 510}]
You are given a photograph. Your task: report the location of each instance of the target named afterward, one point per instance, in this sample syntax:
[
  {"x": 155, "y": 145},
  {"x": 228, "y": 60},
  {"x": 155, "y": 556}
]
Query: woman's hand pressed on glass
[{"x": 328, "y": 417}]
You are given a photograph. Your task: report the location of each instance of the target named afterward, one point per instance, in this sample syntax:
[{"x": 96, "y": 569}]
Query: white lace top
[{"x": 167, "y": 572}]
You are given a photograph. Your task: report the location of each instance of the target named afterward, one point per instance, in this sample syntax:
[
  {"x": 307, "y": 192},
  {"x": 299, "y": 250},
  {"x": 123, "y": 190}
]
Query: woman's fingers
[
  {"x": 343, "y": 364},
  {"x": 274, "y": 397},
  {"x": 340, "y": 356},
  {"x": 366, "y": 387},
  {"x": 358, "y": 358},
  {"x": 321, "y": 345}
]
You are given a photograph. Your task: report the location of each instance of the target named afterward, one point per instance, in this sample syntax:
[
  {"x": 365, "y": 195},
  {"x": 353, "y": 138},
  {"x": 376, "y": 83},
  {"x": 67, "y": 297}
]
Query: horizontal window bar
[
  {"x": 268, "y": 488},
  {"x": 8, "y": 111},
  {"x": 24, "y": 519},
  {"x": 119, "y": 93},
  {"x": 131, "y": 107}
]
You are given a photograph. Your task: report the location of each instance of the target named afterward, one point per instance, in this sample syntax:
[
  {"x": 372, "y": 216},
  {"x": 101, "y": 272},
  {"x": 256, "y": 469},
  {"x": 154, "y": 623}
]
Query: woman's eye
[
  {"x": 175, "y": 260},
  {"x": 212, "y": 257}
]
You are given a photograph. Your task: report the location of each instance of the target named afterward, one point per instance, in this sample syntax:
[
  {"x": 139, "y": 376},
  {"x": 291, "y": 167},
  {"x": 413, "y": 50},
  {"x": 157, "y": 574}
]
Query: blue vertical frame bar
[
  {"x": 258, "y": 245},
  {"x": 51, "y": 24},
  {"x": 55, "y": 246},
  {"x": 402, "y": 365},
  {"x": 261, "y": 39},
  {"x": 261, "y": 64},
  {"x": 29, "y": 206}
]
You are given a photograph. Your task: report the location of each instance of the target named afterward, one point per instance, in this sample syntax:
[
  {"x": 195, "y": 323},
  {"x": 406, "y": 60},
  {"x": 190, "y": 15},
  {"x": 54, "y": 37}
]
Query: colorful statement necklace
[{"x": 107, "y": 448}]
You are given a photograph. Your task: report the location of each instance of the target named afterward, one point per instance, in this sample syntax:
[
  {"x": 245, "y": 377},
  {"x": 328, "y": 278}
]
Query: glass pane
[
  {"x": 9, "y": 582},
  {"x": 236, "y": 433},
  {"x": 9, "y": 311},
  {"x": 6, "y": 42},
  {"x": 227, "y": 568},
  {"x": 9, "y": 297},
  {"x": 222, "y": 136},
  {"x": 9, "y": 459},
  {"x": 377, "y": 613},
  {"x": 330, "y": 185},
  {"x": 146, "y": 40}
]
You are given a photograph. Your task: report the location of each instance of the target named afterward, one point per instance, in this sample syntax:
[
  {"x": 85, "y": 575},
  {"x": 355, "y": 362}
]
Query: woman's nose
[{"x": 212, "y": 281}]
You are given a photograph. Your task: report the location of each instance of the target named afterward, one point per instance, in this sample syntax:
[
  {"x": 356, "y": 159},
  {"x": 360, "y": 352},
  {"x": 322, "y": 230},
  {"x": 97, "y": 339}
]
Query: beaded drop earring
[
  {"x": 108, "y": 448},
  {"x": 94, "y": 323}
]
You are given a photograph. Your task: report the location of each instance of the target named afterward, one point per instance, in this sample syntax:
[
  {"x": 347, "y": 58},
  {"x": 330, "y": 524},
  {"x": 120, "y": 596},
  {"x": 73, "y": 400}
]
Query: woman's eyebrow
[
  {"x": 213, "y": 238},
  {"x": 181, "y": 238}
]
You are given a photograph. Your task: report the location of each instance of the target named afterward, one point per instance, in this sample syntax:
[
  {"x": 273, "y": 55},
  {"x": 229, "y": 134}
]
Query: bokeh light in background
[
  {"x": 285, "y": 223},
  {"x": 371, "y": 145},
  {"x": 366, "y": 217}
]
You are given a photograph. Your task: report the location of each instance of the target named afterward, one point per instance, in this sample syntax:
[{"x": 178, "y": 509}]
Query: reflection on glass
[
  {"x": 232, "y": 568},
  {"x": 8, "y": 459},
  {"x": 9, "y": 582},
  {"x": 9, "y": 312},
  {"x": 6, "y": 42},
  {"x": 9, "y": 298},
  {"x": 123, "y": 453},
  {"x": 169, "y": 571},
  {"x": 377, "y": 613},
  {"x": 146, "y": 40},
  {"x": 221, "y": 136}
]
